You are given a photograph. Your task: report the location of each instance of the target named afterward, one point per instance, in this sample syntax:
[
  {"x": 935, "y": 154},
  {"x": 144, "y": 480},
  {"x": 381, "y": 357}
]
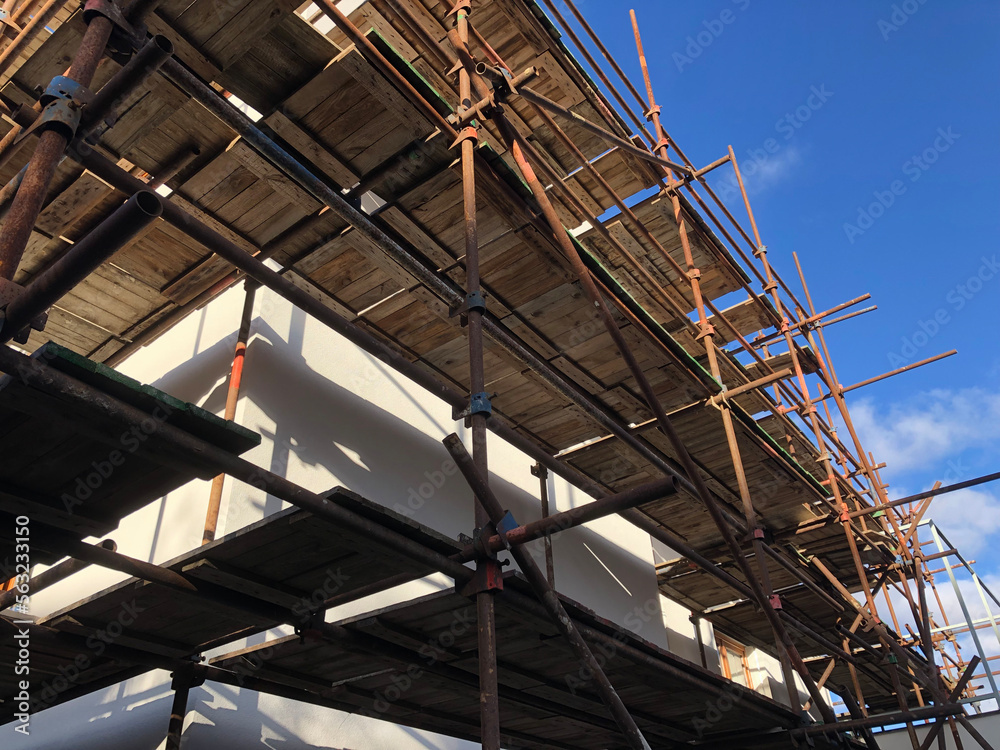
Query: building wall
[
  {"x": 988, "y": 725},
  {"x": 329, "y": 415}
]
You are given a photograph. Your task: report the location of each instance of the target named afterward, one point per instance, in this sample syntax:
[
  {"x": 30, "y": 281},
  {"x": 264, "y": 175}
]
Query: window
[{"x": 734, "y": 661}]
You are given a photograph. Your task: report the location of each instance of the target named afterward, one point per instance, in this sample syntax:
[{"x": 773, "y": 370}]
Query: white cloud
[
  {"x": 969, "y": 518},
  {"x": 775, "y": 169},
  {"x": 929, "y": 429},
  {"x": 944, "y": 435}
]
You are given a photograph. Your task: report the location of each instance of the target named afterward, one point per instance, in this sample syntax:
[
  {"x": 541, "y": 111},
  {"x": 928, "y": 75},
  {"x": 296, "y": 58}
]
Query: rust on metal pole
[
  {"x": 846, "y": 389},
  {"x": 232, "y": 399},
  {"x": 513, "y": 140},
  {"x": 548, "y": 525},
  {"x": 693, "y": 274},
  {"x": 29, "y": 31},
  {"x": 51, "y": 576},
  {"x": 52, "y": 144},
  {"x": 489, "y": 689},
  {"x": 809, "y": 409},
  {"x": 548, "y": 597},
  {"x": 543, "y": 493},
  {"x": 181, "y": 684},
  {"x": 625, "y": 145},
  {"x": 134, "y": 215}
]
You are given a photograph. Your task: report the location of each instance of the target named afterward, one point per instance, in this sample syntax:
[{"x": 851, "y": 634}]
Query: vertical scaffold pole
[{"x": 478, "y": 406}]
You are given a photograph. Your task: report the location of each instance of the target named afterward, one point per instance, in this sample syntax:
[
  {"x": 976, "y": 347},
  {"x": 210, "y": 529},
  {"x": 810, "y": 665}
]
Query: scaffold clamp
[
  {"x": 465, "y": 134},
  {"x": 188, "y": 675},
  {"x": 5, "y": 19},
  {"x": 488, "y": 576},
  {"x": 473, "y": 301},
  {"x": 479, "y": 403},
  {"x": 706, "y": 330},
  {"x": 465, "y": 5},
  {"x": 124, "y": 37},
  {"x": 507, "y": 523},
  {"x": 62, "y": 103}
]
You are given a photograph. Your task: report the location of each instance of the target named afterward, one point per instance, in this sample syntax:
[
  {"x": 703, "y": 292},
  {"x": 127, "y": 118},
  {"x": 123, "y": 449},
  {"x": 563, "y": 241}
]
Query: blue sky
[{"x": 834, "y": 107}]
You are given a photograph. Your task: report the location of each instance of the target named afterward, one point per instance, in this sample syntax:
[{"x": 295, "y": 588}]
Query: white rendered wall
[
  {"x": 329, "y": 415},
  {"x": 987, "y": 725}
]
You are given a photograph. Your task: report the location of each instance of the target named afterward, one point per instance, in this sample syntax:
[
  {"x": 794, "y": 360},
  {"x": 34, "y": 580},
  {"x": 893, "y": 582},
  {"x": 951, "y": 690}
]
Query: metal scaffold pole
[{"x": 489, "y": 578}]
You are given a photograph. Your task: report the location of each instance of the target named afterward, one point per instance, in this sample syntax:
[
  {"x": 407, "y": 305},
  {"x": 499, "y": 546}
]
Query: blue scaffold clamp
[
  {"x": 479, "y": 403},
  {"x": 62, "y": 106}
]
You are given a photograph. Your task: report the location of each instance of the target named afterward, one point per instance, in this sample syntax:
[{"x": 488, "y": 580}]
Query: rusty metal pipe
[
  {"x": 163, "y": 176},
  {"x": 572, "y": 117},
  {"x": 956, "y": 693},
  {"x": 232, "y": 398},
  {"x": 28, "y": 201},
  {"x": 137, "y": 213},
  {"x": 582, "y": 514},
  {"x": 53, "y": 575},
  {"x": 106, "y": 558},
  {"x": 483, "y": 106},
  {"x": 181, "y": 685},
  {"x": 739, "y": 390},
  {"x": 885, "y": 375},
  {"x": 693, "y": 476},
  {"x": 548, "y": 598},
  {"x": 816, "y": 318},
  {"x": 133, "y": 74},
  {"x": 489, "y": 688},
  {"x": 31, "y": 29},
  {"x": 930, "y": 493},
  {"x": 600, "y": 73}
]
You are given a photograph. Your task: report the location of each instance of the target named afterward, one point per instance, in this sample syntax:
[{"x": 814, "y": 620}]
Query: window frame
[{"x": 727, "y": 646}]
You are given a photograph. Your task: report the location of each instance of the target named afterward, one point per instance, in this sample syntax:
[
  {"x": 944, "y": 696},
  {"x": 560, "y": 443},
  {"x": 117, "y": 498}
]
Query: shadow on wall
[
  {"x": 138, "y": 721},
  {"x": 322, "y": 424},
  {"x": 340, "y": 419}
]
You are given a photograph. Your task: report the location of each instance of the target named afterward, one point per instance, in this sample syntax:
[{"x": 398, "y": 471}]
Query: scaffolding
[{"x": 447, "y": 188}]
